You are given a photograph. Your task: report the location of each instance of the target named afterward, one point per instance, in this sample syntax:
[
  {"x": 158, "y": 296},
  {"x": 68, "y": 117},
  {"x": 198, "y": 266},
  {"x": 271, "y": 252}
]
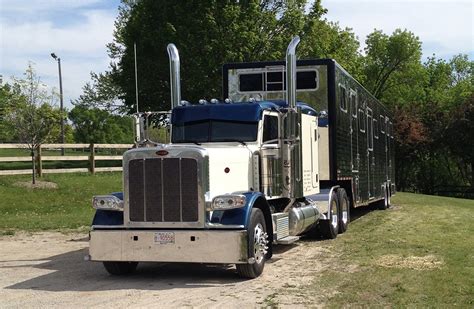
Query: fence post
[
  {"x": 92, "y": 158},
  {"x": 39, "y": 162}
]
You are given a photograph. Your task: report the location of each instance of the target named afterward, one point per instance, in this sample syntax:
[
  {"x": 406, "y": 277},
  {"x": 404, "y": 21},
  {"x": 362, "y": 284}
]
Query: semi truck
[{"x": 291, "y": 148}]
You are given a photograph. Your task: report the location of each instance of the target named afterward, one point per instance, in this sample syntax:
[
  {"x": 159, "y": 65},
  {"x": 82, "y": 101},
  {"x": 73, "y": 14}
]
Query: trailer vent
[{"x": 163, "y": 190}]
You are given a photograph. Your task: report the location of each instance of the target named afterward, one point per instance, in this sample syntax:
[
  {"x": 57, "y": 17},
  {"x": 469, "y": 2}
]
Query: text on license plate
[{"x": 164, "y": 238}]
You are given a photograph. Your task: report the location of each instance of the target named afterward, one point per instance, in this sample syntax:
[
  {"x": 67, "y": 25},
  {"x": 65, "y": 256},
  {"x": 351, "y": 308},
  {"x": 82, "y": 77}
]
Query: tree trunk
[{"x": 34, "y": 166}]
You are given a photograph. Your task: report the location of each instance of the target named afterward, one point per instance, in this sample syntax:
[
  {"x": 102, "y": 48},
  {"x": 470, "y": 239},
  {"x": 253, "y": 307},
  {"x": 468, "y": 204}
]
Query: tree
[
  {"x": 93, "y": 125},
  {"x": 9, "y": 95},
  {"x": 34, "y": 118},
  {"x": 208, "y": 34},
  {"x": 389, "y": 56}
]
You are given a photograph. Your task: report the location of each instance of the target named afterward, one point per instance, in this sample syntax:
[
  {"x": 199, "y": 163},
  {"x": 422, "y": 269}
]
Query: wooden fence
[{"x": 91, "y": 157}]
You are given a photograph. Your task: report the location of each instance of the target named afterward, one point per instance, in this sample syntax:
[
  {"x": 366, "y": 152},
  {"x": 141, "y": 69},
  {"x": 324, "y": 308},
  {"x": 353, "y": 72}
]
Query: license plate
[{"x": 164, "y": 238}]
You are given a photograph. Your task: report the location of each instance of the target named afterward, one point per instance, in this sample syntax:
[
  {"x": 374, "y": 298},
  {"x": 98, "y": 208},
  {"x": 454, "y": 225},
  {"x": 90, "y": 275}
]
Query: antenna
[{"x": 136, "y": 74}]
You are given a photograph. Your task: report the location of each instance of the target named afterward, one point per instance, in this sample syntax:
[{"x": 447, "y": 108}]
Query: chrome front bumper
[{"x": 192, "y": 246}]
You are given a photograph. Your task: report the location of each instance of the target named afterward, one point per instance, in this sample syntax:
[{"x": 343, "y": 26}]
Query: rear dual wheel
[
  {"x": 385, "y": 203},
  {"x": 338, "y": 215}
]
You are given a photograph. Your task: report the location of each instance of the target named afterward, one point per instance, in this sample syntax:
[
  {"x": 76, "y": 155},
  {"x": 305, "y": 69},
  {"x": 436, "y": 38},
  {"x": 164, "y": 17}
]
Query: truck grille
[{"x": 163, "y": 190}]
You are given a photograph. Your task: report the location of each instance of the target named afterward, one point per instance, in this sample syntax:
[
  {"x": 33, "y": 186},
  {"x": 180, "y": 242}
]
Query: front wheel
[
  {"x": 120, "y": 268},
  {"x": 258, "y": 246}
]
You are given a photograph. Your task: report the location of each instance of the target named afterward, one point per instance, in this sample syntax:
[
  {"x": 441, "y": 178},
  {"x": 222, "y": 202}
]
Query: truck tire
[
  {"x": 344, "y": 210},
  {"x": 120, "y": 268},
  {"x": 257, "y": 243},
  {"x": 330, "y": 227}
]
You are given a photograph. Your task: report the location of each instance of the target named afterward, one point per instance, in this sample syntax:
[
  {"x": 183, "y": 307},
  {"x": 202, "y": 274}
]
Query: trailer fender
[{"x": 107, "y": 217}]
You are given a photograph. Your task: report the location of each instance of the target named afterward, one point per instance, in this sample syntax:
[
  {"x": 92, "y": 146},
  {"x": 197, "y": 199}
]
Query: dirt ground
[{"x": 49, "y": 270}]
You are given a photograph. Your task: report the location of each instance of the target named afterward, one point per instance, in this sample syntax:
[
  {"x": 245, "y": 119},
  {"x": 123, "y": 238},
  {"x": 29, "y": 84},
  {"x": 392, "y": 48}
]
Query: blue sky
[{"x": 78, "y": 31}]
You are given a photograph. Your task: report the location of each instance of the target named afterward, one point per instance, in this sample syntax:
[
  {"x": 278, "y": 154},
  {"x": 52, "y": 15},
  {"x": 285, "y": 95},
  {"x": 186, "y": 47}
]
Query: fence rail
[{"x": 91, "y": 158}]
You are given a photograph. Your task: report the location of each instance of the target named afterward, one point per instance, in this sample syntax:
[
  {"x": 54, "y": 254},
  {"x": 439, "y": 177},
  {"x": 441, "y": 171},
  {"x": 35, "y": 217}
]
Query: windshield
[{"x": 214, "y": 131}]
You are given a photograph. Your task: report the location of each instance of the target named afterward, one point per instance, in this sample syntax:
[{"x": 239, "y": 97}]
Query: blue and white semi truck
[{"x": 258, "y": 169}]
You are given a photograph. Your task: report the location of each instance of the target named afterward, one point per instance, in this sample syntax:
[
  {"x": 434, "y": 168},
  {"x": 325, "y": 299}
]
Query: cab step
[{"x": 288, "y": 240}]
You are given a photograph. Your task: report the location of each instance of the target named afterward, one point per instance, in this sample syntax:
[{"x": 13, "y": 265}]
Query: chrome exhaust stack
[
  {"x": 175, "y": 79},
  {"x": 291, "y": 72},
  {"x": 291, "y": 147}
]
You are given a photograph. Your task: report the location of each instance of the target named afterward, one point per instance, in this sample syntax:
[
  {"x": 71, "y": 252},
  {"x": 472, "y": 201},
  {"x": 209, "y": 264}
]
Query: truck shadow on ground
[{"x": 69, "y": 271}]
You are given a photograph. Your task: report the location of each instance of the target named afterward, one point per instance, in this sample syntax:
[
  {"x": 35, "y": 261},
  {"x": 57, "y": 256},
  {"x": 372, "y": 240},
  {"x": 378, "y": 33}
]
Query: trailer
[{"x": 288, "y": 152}]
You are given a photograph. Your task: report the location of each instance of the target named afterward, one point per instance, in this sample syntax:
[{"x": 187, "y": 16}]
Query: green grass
[
  {"x": 417, "y": 226},
  {"x": 68, "y": 207}
]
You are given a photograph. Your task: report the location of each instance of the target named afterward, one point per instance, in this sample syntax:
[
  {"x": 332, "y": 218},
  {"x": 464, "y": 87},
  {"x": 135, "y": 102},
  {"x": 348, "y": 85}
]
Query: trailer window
[
  {"x": 382, "y": 124},
  {"x": 376, "y": 129},
  {"x": 353, "y": 103},
  {"x": 370, "y": 133},
  {"x": 306, "y": 80},
  {"x": 362, "y": 120},
  {"x": 342, "y": 99},
  {"x": 276, "y": 81},
  {"x": 251, "y": 82},
  {"x": 270, "y": 129}
]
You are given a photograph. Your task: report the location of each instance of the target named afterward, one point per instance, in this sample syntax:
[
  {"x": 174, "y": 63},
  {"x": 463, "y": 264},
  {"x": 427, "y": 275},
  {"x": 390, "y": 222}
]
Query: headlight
[
  {"x": 223, "y": 202},
  {"x": 107, "y": 202}
]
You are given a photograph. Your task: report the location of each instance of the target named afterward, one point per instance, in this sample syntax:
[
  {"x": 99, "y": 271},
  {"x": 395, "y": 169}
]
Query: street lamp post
[{"x": 60, "y": 99}]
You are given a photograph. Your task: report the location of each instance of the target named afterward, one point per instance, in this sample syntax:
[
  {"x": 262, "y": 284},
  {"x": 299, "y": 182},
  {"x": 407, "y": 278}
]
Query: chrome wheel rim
[
  {"x": 260, "y": 241},
  {"x": 345, "y": 211},
  {"x": 334, "y": 214}
]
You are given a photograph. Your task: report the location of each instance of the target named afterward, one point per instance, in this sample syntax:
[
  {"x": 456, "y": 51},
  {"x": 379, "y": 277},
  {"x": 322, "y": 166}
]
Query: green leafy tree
[
  {"x": 390, "y": 60},
  {"x": 93, "y": 125},
  {"x": 208, "y": 34},
  {"x": 10, "y": 95},
  {"x": 35, "y": 119}
]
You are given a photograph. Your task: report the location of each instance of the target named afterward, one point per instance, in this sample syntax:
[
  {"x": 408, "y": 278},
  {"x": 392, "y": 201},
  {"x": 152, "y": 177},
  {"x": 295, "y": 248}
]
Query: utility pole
[{"x": 61, "y": 106}]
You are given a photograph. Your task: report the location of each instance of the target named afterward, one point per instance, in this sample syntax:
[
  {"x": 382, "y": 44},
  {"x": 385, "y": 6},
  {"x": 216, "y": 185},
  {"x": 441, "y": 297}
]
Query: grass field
[
  {"x": 419, "y": 253},
  {"x": 68, "y": 207}
]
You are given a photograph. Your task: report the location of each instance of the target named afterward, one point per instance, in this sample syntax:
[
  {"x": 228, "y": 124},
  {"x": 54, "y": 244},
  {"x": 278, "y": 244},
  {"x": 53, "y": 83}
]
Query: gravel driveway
[{"x": 48, "y": 270}]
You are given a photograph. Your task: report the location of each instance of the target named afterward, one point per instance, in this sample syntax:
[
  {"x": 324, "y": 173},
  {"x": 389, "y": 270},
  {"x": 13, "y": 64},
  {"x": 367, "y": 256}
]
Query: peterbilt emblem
[{"x": 162, "y": 152}]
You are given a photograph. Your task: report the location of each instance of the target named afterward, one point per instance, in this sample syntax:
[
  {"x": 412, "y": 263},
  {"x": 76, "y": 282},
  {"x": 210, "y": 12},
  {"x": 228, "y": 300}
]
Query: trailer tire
[
  {"x": 120, "y": 268},
  {"x": 257, "y": 243},
  {"x": 330, "y": 227},
  {"x": 385, "y": 203},
  {"x": 344, "y": 210}
]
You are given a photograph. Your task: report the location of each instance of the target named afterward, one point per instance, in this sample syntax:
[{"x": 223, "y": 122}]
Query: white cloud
[
  {"x": 37, "y": 6},
  {"x": 444, "y": 27},
  {"x": 79, "y": 39}
]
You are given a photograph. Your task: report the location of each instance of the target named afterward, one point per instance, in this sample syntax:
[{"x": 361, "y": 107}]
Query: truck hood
[{"x": 230, "y": 170}]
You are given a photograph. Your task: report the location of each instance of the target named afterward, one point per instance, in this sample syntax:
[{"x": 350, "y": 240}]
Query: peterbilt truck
[{"x": 290, "y": 150}]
